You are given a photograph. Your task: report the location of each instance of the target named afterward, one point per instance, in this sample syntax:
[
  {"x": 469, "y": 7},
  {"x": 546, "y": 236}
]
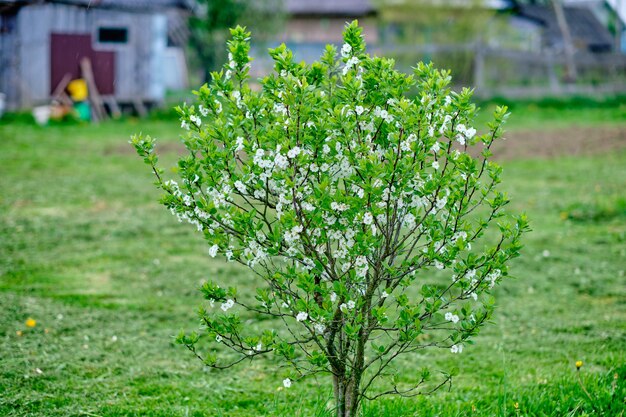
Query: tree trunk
[{"x": 346, "y": 396}]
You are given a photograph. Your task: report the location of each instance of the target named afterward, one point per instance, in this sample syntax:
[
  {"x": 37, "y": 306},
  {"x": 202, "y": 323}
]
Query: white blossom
[
  {"x": 360, "y": 192},
  {"x": 281, "y": 161},
  {"x": 351, "y": 62},
  {"x": 456, "y": 348},
  {"x": 302, "y": 316},
  {"x": 238, "y": 144},
  {"x": 470, "y": 274},
  {"x": 227, "y": 305},
  {"x": 295, "y": 151},
  {"x": 213, "y": 251},
  {"x": 237, "y": 95},
  {"x": 464, "y": 133},
  {"x": 280, "y": 108},
  {"x": 240, "y": 187},
  {"x": 339, "y": 206},
  {"x": 493, "y": 277},
  {"x": 452, "y": 317},
  {"x": 345, "y": 50},
  {"x": 287, "y": 382},
  {"x": 307, "y": 206},
  {"x": 293, "y": 235},
  {"x": 361, "y": 266},
  {"x": 319, "y": 328}
]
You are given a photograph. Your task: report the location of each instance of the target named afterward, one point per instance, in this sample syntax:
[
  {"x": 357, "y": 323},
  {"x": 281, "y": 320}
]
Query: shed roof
[
  {"x": 355, "y": 8},
  {"x": 584, "y": 27},
  {"x": 352, "y": 8},
  {"x": 112, "y": 4}
]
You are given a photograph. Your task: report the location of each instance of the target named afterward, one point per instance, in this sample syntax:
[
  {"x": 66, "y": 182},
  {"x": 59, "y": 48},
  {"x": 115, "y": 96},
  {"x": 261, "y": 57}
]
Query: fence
[{"x": 518, "y": 74}]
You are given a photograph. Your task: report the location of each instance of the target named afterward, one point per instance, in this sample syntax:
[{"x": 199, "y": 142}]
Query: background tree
[{"x": 209, "y": 27}]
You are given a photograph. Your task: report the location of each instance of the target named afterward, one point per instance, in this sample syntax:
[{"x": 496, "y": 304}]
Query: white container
[{"x": 41, "y": 115}]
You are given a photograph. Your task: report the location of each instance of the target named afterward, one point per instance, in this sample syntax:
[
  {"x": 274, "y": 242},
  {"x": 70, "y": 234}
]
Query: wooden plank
[
  {"x": 59, "y": 92},
  {"x": 97, "y": 107},
  {"x": 140, "y": 107},
  {"x": 114, "y": 108}
]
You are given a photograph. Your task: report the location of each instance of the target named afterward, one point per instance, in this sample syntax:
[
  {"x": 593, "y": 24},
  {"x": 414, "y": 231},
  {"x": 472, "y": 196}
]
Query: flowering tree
[{"x": 350, "y": 202}]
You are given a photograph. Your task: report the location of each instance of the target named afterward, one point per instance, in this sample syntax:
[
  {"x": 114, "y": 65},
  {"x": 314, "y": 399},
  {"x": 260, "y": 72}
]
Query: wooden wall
[
  {"x": 137, "y": 61},
  {"x": 9, "y": 60}
]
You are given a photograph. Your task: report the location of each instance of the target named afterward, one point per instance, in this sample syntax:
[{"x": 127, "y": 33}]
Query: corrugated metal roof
[
  {"x": 352, "y": 8},
  {"x": 363, "y": 7},
  {"x": 114, "y": 4},
  {"x": 583, "y": 25}
]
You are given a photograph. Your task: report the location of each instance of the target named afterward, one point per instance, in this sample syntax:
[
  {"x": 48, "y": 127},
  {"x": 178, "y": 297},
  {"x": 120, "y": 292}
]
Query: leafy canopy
[{"x": 360, "y": 209}]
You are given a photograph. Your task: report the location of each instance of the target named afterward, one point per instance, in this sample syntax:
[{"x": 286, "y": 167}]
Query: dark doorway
[{"x": 66, "y": 51}]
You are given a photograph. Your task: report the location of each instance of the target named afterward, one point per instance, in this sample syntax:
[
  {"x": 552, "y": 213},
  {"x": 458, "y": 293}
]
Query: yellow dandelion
[
  {"x": 579, "y": 364},
  {"x": 31, "y": 322},
  {"x": 516, "y": 405}
]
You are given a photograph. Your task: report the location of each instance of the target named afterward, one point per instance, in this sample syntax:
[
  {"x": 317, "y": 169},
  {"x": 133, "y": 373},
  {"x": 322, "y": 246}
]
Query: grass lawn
[{"x": 110, "y": 276}]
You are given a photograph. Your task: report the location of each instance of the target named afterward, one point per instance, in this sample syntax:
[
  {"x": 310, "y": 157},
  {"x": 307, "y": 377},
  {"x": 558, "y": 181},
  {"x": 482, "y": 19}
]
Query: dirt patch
[
  {"x": 518, "y": 144},
  {"x": 573, "y": 140},
  {"x": 161, "y": 148}
]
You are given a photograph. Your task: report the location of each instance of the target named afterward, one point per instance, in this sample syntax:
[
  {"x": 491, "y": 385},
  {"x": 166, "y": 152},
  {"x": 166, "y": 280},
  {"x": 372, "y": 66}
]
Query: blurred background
[
  {"x": 96, "y": 277},
  {"x": 134, "y": 54}
]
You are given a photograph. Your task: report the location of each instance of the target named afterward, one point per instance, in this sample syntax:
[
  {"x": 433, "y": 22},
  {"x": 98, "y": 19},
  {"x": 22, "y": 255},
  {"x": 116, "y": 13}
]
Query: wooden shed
[{"x": 134, "y": 47}]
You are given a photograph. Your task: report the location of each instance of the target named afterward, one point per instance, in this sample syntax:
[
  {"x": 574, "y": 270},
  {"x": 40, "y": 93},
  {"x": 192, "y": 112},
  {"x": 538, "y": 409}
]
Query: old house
[
  {"x": 134, "y": 47},
  {"x": 587, "y": 32},
  {"x": 313, "y": 24}
]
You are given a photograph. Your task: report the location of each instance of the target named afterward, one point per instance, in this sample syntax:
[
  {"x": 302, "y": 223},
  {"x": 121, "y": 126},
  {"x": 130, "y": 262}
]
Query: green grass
[
  {"x": 110, "y": 277},
  {"x": 558, "y": 113}
]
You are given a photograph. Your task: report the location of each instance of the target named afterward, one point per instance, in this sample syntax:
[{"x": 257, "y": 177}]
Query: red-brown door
[{"x": 67, "y": 50}]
